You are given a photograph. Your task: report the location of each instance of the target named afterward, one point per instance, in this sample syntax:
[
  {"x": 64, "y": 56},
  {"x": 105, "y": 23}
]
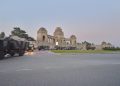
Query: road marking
[{"x": 23, "y": 69}]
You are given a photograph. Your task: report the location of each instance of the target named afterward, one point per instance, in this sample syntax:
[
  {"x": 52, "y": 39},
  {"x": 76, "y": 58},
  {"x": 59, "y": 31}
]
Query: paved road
[{"x": 49, "y": 69}]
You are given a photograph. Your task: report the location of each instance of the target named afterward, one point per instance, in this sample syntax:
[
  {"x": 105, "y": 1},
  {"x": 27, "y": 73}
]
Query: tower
[
  {"x": 59, "y": 36},
  {"x": 42, "y": 35},
  {"x": 73, "y": 40}
]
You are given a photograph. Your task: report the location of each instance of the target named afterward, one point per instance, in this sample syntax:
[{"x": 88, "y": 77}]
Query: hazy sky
[{"x": 91, "y": 20}]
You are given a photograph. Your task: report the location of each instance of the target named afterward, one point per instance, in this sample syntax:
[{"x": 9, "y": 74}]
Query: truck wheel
[
  {"x": 21, "y": 53},
  {"x": 1, "y": 55},
  {"x": 12, "y": 54}
]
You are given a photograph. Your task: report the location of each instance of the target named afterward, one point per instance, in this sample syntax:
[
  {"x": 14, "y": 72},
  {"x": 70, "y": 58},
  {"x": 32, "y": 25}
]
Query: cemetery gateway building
[
  {"x": 44, "y": 40},
  {"x": 59, "y": 41}
]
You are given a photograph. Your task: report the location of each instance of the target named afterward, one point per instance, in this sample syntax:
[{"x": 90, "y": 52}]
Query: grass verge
[{"x": 83, "y": 51}]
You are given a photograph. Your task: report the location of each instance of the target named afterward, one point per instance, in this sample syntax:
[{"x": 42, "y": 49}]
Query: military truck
[{"x": 12, "y": 46}]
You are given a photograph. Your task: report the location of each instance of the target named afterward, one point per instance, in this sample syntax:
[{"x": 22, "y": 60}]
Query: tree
[
  {"x": 89, "y": 45},
  {"x": 2, "y": 35},
  {"x": 20, "y": 33}
]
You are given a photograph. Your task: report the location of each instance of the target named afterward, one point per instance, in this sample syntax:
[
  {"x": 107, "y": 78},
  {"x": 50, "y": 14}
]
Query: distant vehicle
[
  {"x": 30, "y": 48},
  {"x": 64, "y": 48},
  {"x": 43, "y": 47},
  {"x": 12, "y": 46}
]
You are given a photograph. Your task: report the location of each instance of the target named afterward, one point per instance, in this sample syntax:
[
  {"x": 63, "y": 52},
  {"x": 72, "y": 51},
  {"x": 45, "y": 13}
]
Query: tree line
[{"x": 112, "y": 48}]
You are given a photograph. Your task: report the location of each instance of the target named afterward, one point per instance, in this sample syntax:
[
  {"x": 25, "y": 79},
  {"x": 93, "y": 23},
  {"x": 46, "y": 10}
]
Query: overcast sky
[{"x": 91, "y": 20}]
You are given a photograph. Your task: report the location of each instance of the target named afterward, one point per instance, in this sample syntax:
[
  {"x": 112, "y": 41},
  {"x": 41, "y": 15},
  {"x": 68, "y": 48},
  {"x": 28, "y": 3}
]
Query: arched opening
[
  {"x": 70, "y": 42},
  {"x": 54, "y": 41},
  {"x": 75, "y": 42},
  {"x": 43, "y": 38}
]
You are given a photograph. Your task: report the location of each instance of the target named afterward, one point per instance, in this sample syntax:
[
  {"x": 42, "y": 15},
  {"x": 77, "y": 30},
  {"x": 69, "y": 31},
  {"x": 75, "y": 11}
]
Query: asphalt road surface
[{"x": 48, "y": 69}]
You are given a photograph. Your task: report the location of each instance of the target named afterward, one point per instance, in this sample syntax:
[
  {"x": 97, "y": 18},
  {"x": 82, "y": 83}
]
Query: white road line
[{"x": 23, "y": 69}]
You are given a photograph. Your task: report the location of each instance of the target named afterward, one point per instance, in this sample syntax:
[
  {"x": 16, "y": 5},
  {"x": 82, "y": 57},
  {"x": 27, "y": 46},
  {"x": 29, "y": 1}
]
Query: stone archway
[{"x": 43, "y": 38}]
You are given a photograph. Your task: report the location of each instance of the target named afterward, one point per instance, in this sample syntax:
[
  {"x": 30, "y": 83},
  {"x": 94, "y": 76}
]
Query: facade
[{"x": 57, "y": 40}]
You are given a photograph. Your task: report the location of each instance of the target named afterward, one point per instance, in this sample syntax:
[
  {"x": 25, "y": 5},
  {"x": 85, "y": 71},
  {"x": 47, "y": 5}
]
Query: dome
[
  {"x": 58, "y": 29},
  {"x": 58, "y": 32},
  {"x": 73, "y": 37},
  {"x": 42, "y": 29},
  {"x": 103, "y": 43}
]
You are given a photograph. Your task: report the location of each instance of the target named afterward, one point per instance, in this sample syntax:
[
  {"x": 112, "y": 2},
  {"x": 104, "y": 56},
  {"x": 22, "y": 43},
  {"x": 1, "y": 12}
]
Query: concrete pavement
[{"x": 48, "y": 69}]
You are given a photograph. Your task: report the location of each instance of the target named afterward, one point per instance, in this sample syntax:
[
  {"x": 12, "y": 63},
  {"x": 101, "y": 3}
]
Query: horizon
[{"x": 90, "y": 20}]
